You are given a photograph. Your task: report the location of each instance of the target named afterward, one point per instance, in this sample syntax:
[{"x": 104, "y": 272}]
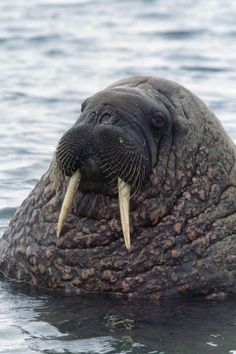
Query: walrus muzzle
[{"x": 102, "y": 153}]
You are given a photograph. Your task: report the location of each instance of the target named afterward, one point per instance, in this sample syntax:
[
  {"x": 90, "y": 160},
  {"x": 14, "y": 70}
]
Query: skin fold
[{"x": 164, "y": 143}]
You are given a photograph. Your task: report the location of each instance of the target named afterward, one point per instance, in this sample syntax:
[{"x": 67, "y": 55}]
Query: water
[
  {"x": 54, "y": 54},
  {"x": 33, "y": 321}
]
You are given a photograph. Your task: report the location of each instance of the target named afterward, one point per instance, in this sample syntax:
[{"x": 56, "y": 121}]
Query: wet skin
[{"x": 172, "y": 153}]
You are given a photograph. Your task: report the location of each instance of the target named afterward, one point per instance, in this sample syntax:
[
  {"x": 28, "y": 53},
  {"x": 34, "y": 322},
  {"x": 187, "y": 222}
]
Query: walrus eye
[
  {"x": 105, "y": 118},
  {"x": 158, "y": 119}
]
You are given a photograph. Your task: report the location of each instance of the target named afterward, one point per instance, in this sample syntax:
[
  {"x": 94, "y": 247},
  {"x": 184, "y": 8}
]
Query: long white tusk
[
  {"x": 124, "y": 196},
  {"x": 68, "y": 200}
]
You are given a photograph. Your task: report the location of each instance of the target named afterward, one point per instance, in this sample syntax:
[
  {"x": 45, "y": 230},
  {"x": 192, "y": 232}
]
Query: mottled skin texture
[{"x": 183, "y": 222}]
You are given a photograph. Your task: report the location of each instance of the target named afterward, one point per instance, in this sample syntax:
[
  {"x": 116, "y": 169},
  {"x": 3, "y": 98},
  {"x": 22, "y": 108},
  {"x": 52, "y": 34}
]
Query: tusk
[
  {"x": 124, "y": 196},
  {"x": 68, "y": 200}
]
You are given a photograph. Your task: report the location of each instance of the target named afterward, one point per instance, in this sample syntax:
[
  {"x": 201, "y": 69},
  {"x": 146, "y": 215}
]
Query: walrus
[{"x": 140, "y": 199}]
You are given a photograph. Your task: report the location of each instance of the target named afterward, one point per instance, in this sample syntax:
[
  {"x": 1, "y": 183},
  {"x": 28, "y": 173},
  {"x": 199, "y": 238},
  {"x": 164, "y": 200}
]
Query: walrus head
[{"x": 113, "y": 145}]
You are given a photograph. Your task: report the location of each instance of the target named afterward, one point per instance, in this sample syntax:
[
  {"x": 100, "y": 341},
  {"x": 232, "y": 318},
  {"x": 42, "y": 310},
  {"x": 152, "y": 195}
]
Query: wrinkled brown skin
[{"x": 183, "y": 224}]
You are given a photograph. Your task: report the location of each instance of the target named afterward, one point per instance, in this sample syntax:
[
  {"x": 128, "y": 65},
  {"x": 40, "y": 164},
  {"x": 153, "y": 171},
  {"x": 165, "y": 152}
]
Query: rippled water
[
  {"x": 32, "y": 322},
  {"x": 55, "y": 53}
]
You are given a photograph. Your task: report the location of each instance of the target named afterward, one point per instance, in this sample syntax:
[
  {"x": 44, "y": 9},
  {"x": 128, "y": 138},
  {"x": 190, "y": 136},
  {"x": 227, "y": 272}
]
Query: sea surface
[{"x": 55, "y": 53}]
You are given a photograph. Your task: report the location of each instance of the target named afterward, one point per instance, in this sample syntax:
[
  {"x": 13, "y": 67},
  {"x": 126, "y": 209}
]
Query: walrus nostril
[
  {"x": 89, "y": 164},
  {"x": 89, "y": 168}
]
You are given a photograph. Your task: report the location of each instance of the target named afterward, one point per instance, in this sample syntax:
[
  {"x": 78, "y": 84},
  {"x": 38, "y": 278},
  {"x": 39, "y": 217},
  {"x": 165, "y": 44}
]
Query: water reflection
[{"x": 50, "y": 323}]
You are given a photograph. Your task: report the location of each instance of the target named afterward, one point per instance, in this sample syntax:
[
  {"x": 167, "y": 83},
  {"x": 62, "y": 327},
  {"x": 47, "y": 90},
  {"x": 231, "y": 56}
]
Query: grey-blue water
[{"x": 55, "y": 53}]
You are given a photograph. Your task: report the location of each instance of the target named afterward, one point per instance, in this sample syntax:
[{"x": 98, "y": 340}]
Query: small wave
[
  {"x": 178, "y": 34},
  {"x": 204, "y": 68},
  {"x": 6, "y": 213}
]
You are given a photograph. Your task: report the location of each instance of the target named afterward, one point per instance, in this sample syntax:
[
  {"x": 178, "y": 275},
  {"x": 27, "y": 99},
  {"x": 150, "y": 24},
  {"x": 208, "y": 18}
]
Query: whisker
[
  {"x": 133, "y": 168},
  {"x": 135, "y": 184},
  {"x": 120, "y": 168}
]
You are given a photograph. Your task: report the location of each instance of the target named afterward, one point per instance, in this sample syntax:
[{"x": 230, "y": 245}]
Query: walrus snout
[{"x": 101, "y": 153}]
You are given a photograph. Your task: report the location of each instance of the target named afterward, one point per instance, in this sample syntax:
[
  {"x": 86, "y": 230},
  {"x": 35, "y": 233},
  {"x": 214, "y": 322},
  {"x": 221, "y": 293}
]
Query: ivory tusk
[
  {"x": 68, "y": 200},
  {"x": 124, "y": 197}
]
